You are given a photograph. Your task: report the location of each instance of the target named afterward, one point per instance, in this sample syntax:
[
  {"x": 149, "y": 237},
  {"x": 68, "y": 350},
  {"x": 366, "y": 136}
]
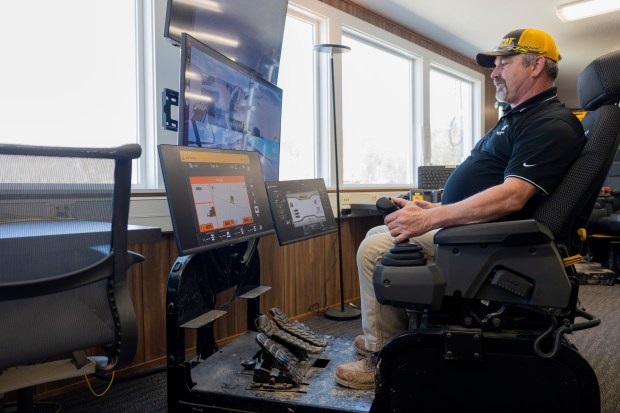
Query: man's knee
[
  {"x": 379, "y": 229},
  {"x": 373, "y": 247}
]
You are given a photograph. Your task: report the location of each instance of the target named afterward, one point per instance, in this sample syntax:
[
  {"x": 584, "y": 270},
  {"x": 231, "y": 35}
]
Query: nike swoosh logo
[{"x": 527, "y": 165}]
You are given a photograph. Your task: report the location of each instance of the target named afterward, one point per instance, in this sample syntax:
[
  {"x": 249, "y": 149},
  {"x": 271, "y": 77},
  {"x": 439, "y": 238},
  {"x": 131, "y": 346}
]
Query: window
[
  {"x": 296, "y": 78},
  {"x": 69, "y": 78},
  {"x": 72, "y": 77},
  {"x": 451, "y": 115},
  {"x": 377, "y": 115}
]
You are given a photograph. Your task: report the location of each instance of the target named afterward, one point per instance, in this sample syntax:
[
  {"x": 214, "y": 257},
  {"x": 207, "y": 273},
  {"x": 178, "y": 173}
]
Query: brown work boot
[
  {"x": 359, "y": 344},
  {"x": 359, "y": 375}
]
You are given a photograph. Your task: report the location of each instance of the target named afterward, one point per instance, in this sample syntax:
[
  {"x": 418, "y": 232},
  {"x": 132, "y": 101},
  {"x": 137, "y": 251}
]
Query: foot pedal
[
  {"x": 276, "y": 357},
  {"x": 271, "y": 330},
  {"x": 297, "y": 329}
]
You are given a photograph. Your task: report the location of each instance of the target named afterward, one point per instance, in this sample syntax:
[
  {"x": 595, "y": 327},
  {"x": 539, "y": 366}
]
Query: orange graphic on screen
[{"x": 220, "y": 202}]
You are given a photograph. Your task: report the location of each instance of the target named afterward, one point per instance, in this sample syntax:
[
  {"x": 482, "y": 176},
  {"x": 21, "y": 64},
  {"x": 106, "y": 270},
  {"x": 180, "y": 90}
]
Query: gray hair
[{"x": 552, "y": 68}]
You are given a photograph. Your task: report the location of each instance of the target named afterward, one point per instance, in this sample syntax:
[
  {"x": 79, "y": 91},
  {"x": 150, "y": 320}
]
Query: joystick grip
[{"x": 386, "y": 205}]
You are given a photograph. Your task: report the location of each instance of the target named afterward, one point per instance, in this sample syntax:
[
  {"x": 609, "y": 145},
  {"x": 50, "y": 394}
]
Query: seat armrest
[{"x": 522, "y": 232}]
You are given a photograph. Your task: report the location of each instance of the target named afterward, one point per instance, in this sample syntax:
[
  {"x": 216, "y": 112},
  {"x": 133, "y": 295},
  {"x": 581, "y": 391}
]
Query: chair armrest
[
  {"x": 522, "y": 232},
  {"x": 134, "y": 258},
  {"x": 33, "y": 288}
]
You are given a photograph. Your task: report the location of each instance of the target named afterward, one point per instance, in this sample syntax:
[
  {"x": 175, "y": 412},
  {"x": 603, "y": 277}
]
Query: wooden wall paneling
[
  {"x": 155, "y": 272},
  {"x": 272, "y": 272},
  {"x": 330, "y": 273},
  {"x": 310, "y": 263},
  {"x": 356, "y": 229},
  {"x": 349, "y": 245},
  {"x": 327, "y": 282}
]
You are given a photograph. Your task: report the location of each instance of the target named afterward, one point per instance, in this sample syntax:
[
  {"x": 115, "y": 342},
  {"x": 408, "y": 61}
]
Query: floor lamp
[{"x": 343, "y": 313}]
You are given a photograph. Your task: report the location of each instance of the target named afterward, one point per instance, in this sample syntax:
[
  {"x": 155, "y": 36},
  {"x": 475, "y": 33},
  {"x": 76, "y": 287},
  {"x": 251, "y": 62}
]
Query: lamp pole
[{"x": 348, "y": 312}]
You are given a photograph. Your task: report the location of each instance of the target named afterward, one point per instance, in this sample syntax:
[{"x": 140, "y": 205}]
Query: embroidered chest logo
[{"x": 502, "y": 130}]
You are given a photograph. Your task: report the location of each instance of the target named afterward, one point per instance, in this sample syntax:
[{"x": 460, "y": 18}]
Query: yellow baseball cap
[{"x": 520, "y": 42}]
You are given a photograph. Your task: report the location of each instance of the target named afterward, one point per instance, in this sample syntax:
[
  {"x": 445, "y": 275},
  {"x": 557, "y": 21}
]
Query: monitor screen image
[
  {"x": 249, "y": 32},
  {"x": 216, "y": 197},
  {"x": 224, "y": 105},
  {"x": 300, "y": 209}
]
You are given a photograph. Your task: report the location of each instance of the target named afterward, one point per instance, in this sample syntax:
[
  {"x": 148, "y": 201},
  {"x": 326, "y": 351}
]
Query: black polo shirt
[{"x": 536, "y": 141}]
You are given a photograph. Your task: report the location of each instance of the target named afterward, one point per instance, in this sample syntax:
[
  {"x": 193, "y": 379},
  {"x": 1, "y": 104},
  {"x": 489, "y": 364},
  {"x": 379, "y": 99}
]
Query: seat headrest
[{"x": 599, "y": 82}]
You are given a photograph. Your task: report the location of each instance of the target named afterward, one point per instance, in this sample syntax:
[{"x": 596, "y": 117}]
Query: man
[{"x": 518, "y": 162}]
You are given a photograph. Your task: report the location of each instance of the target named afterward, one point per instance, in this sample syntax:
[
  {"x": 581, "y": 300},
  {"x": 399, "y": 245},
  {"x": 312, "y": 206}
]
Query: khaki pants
[{"x": 381, "y": 322}]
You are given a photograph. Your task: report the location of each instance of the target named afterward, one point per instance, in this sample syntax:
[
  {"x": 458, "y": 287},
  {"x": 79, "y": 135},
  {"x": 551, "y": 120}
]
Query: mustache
[{"x": 498, "y": 82}]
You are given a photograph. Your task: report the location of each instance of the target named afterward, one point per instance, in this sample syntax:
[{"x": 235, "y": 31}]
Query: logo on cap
[{"x": 507, "y": 42}]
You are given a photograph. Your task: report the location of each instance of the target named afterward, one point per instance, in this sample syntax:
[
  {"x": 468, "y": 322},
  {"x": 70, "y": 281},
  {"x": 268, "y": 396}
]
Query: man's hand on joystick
[
  {"x": 386, "y": 205},
  {"x": 403, "y": 253}
]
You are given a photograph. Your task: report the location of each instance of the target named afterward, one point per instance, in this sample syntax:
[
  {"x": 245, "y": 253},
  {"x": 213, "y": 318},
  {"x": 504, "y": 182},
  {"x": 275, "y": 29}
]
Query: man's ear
[{"x": 538, "y": 66}]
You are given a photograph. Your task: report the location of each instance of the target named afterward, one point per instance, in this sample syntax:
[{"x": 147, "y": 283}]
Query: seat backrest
[
  {"x": 63, "y": 252},
  {"x": 569, "y": 207}
]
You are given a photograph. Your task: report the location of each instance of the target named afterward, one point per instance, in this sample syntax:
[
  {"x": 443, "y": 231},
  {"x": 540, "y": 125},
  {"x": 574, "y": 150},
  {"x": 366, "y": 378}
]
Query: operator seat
[{"x": 499, "y": 297}]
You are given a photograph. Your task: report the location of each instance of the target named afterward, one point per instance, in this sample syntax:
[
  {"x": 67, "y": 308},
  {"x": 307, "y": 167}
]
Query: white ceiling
[{"x": 471, "y": 26}]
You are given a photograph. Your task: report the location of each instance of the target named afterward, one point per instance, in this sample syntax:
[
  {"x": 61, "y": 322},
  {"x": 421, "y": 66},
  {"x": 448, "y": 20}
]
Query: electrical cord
[
  {"x": 106, "y": 389},
  {"x": 556, "y": 339},
  {"x": 593, "y": 321}
]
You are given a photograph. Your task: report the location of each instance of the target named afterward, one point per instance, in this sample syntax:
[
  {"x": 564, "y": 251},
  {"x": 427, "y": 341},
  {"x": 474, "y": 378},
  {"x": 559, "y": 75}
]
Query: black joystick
[
  {"x": 386, "y": 205},
  {"x": 404, "y": 253}
]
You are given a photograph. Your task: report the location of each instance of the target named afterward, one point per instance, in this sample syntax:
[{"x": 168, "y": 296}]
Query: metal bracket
[
  {"x": 463, "y": 344},
  {"x": 169, "y": 98}
]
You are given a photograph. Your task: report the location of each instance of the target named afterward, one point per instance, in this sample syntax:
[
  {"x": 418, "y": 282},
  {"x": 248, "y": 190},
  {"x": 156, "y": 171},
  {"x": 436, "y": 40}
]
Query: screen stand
[
  {"x": 190, "y": 304},
  {"x": 253, "y": 294},
  {"x": 348, "y": 313}
]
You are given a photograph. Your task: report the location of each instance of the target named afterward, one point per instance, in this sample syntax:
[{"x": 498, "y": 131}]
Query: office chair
[
  {"x": 63, "y": 264},
  {"x": 498, "y": 299}
]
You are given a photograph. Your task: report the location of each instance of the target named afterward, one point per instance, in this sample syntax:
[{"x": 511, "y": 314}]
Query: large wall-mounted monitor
[
  {"x": 300, "y": 209},
  {"x": 216, "y": 197},
  {"x": 249, "y": 32},
  {"x": 224, "y": 105}
]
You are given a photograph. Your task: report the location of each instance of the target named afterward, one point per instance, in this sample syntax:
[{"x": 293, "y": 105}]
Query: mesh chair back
[
  {"x": 60, "y": 210},
  {"x": 569, "y": 207}
]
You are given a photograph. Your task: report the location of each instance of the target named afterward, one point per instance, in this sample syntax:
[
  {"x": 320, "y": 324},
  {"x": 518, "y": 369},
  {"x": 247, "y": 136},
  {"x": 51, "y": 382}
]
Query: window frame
[
  {"x": 476, "y": 118},
  {"x": 318, "y": 24},
  {"x": 415, "y": 129}
]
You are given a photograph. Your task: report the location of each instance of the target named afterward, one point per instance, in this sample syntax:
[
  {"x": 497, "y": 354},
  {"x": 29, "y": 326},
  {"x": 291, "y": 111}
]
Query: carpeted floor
[
  {"x": 600, "y": 345},
  {"x": 147, "y": 392}
]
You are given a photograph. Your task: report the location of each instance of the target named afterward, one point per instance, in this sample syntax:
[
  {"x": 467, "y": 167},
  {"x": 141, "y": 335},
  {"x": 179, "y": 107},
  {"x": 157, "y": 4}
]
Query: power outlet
[
  {"x": 61, "y": 210},
  {"x": 346, "y": 199}
]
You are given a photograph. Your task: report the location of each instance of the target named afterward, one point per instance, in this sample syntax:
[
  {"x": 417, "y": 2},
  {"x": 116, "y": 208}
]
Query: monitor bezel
[
  {"x": 312, "y": 183},
  {"x": 280, "y": 5},
  {"x": 187, "y": 41},
  {"x": 178, "y": 199}
]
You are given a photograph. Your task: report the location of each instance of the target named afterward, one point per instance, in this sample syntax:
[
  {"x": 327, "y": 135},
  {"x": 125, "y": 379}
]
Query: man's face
[{"x": 511, "y": 79}]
